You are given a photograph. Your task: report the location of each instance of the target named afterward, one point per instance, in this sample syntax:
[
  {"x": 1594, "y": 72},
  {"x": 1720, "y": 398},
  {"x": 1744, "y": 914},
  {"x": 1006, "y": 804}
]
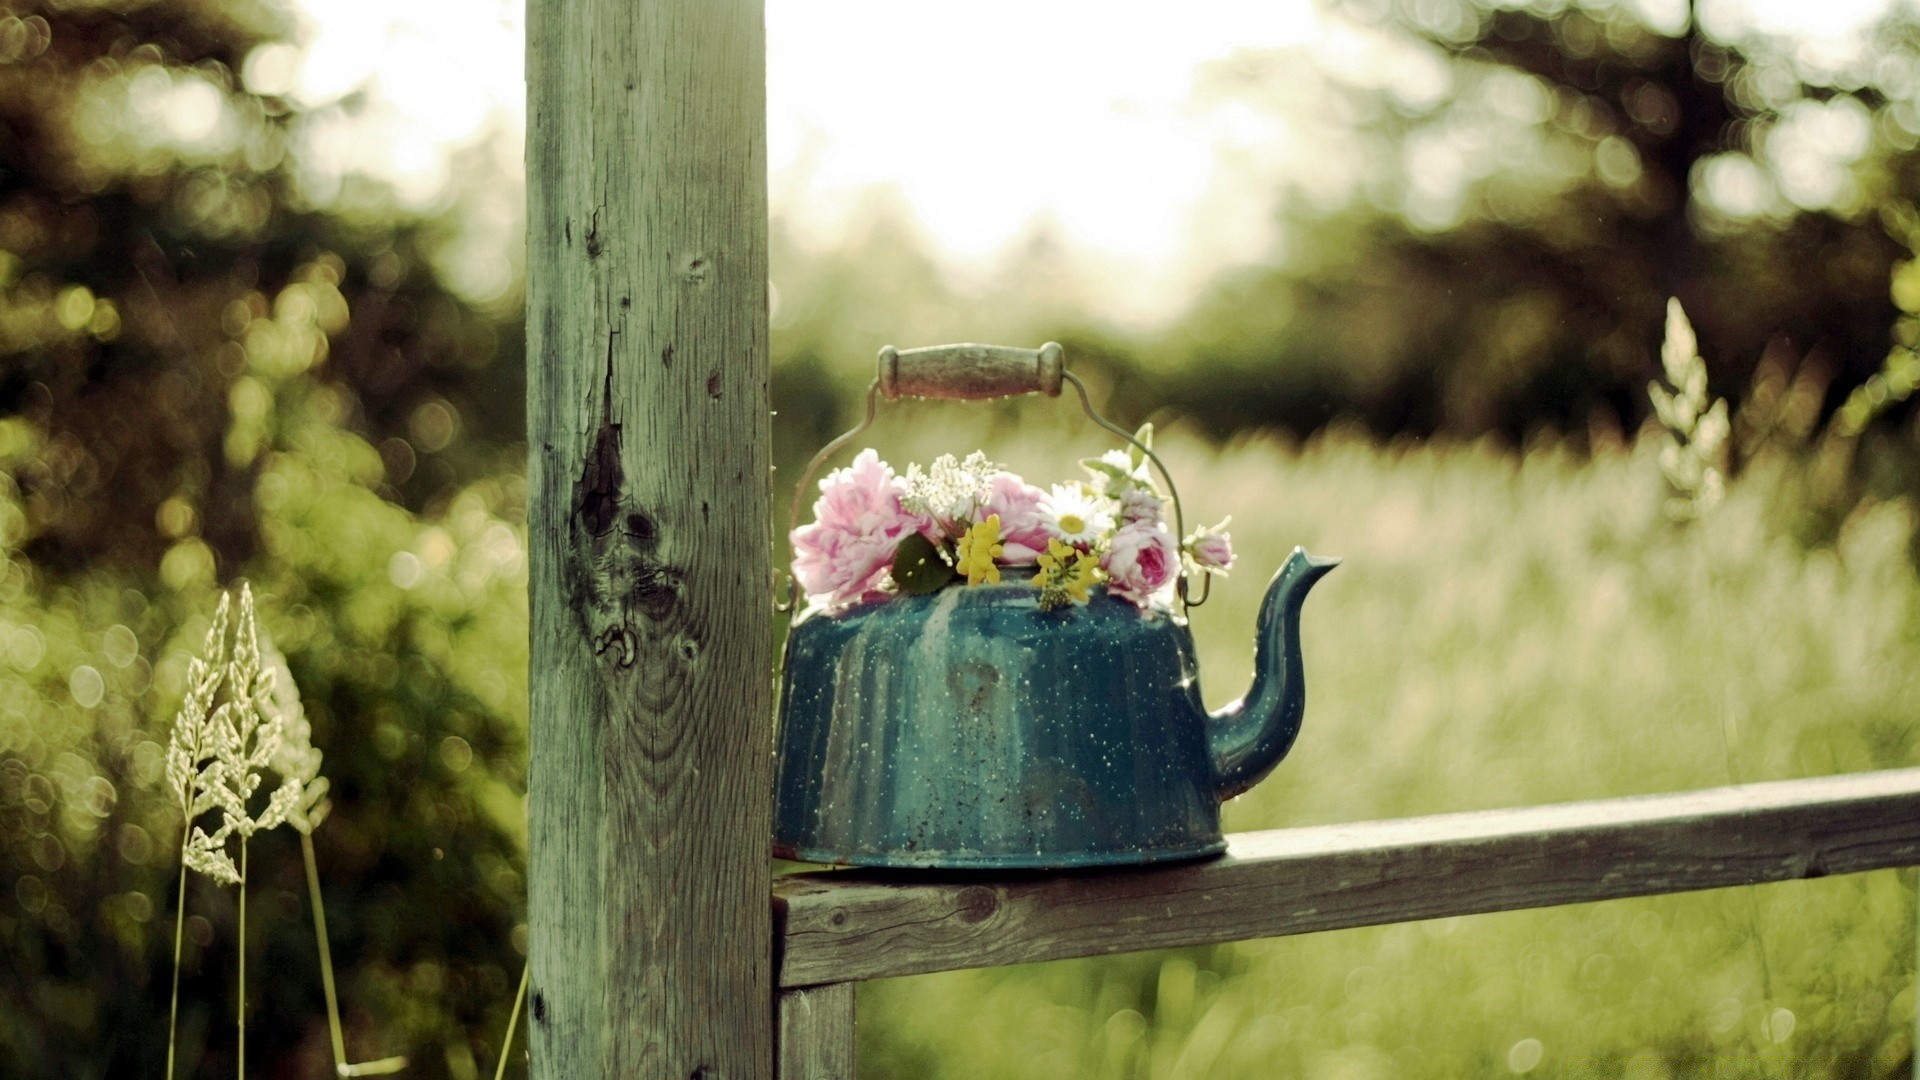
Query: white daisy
[{"x": 1077, "y": 515}]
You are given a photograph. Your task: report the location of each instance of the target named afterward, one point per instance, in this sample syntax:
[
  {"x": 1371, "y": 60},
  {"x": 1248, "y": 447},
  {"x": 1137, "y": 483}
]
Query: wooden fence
[
  {"x": 654, "y": 950},
  {"x": 835, "y": 928}
]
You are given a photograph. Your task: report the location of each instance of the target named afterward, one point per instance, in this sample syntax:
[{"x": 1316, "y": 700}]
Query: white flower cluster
[{"x": 951, "y": 491}]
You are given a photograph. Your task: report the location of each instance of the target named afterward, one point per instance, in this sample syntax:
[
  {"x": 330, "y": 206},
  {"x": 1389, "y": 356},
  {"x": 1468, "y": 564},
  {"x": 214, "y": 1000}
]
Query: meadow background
[{"x": 234, "y": 344}]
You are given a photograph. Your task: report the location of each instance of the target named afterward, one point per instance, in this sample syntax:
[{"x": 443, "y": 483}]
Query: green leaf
[
  {"x": 919, "y": 567},
  {"x": 1105, "y": 468},
  {"x": 1145, "y": 438}
]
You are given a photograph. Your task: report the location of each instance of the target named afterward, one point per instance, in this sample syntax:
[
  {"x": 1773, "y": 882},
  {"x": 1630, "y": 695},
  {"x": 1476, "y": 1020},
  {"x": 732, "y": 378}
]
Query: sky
[{"x": 987, "y": 120}]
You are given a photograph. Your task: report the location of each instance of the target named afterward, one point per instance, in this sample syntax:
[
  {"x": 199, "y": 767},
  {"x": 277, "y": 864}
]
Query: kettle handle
[{"x": 969, "y": 372}]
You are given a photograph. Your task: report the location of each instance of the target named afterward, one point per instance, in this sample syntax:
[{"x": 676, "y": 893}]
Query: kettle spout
[{"x": 1249, "y": 737}]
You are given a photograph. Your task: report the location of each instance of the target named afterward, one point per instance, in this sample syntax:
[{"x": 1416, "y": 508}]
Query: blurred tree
[
  {"x": 1528, "y": 185},
  {"x": 152, "y": 221}
]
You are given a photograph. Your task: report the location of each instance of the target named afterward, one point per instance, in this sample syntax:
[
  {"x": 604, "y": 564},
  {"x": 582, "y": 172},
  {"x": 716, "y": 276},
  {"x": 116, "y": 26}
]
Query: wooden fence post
[
  {"x": 816, "y": 1032},
  {"x": 648, "y": 512}
]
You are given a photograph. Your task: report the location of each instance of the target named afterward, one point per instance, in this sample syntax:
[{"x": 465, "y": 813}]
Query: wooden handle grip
[{"x": 971, "y": 372}]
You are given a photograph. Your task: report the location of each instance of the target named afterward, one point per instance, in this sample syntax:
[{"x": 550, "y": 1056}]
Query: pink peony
[
  {"x": 1140, "y": 561},
  {"x": 1022, "y": 517},
  {"x": 1211, "y": 548},
  {"x": 844, "y": 555}
]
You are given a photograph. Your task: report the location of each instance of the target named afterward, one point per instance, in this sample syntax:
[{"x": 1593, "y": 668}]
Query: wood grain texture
[
  {"x": 816, "y": 1033},
  {"x": 864, "y": 925},
  {"x": 970, "y": 372},
  {"x": 649, "y": 540}
]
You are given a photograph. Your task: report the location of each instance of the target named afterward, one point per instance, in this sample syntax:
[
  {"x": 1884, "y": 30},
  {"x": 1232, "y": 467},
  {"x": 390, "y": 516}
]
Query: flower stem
[
  {"x": 242, "y": 1013},
  {"x": 326, "y": 953},
  {"x": 519, "y": 999}
]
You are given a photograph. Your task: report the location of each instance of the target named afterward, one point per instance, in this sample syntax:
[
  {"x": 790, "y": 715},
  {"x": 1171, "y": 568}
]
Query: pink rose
[
  {"x": 1023, "y": 528},
  {"x": 845, "y": 554},
  {"x": 1140, "y": 504},
  {"x": 1140, "y": 561},
  {"x": 1211, "y": 548}
]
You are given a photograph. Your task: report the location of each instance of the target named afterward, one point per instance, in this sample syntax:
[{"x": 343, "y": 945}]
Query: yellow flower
[
  {"x": 978, "y": 548},
  {"x": 1066, "y": 572}
]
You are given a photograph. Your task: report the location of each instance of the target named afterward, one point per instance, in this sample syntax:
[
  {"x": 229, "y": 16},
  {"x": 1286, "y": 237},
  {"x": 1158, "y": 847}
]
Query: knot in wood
[{"x": 977, "y": 903}]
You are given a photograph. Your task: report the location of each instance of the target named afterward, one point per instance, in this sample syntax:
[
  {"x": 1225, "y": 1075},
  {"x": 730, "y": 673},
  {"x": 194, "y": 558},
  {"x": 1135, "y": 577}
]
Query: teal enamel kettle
[{"x": 971, "y": 729}]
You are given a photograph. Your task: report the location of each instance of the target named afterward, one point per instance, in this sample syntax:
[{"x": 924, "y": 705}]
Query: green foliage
[
  {"x": 1504, "y": 632},
  {"x": 407, "y": 635},
  {"x": 1899, "y": 374}
]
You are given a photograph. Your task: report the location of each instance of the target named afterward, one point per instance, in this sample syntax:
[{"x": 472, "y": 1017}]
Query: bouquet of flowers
[{"x": 878, "y": 534}]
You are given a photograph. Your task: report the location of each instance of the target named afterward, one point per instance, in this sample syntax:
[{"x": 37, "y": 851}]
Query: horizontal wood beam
[{"x": 844, "y": 925}]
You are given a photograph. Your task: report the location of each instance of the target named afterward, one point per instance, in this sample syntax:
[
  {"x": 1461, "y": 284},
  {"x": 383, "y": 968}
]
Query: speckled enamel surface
[{"x": 969, "y": 729}]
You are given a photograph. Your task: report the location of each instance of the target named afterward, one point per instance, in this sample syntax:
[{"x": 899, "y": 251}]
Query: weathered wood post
[{"x": 648, "y": 530}]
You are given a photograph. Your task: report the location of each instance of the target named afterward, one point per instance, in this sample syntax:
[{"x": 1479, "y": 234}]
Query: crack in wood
[{"x": 628, "y": 601}]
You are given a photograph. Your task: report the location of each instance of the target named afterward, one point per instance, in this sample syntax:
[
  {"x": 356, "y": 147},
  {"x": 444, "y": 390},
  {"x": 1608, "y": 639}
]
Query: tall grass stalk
[
  {"x": 191, "y": 750},
  {"x": 179, "y": 928},
  {"x": 341, "y": 1066},
  {"x": 1691, "y": 461},
  {"x": 300, "y": 759},
  {"x": 241, "y": 1009},
  {"x": 1696, "y": 423},
  {"x": 326, "y": 953},
  {"x": 513, "y": 1018},
  {"x": 219, "y": 759}
]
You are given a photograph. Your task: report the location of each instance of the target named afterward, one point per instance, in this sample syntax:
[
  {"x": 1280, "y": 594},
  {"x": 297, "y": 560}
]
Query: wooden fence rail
[{"x": 842, "y": 926}]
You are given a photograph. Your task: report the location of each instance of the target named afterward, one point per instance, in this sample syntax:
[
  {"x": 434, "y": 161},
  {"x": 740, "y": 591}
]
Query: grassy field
[{"x": 1505, "y": 631}]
